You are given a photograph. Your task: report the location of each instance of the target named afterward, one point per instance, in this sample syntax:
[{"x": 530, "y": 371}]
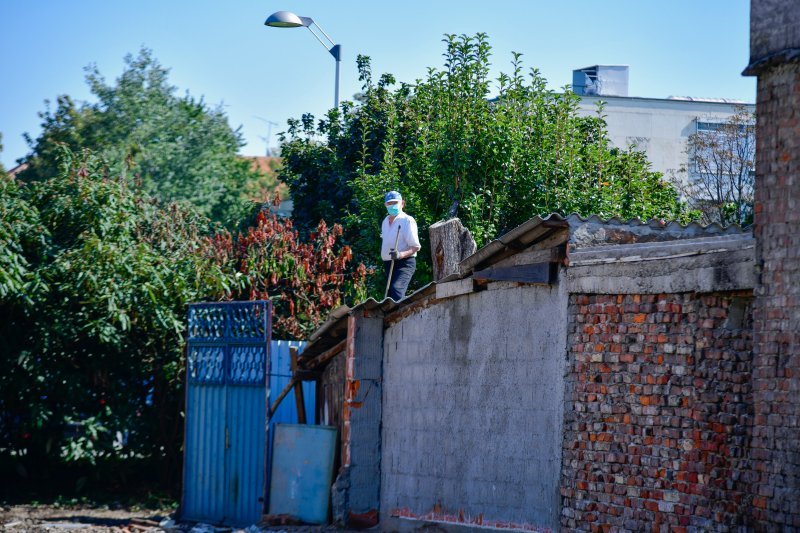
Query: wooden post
[
  {"x": 451, "y": 243},
  {"x": 299, "y": 399}
]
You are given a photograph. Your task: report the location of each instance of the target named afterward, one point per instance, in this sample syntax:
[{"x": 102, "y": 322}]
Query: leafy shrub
[{"x": 93, "y": 298}]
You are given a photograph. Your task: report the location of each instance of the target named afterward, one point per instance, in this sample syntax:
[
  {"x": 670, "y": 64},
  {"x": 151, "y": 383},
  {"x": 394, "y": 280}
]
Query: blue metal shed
[{"x": 231, "y": 368}]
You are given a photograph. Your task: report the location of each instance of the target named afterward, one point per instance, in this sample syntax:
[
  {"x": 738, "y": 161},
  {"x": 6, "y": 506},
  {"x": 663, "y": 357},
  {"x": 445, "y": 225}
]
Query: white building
[{"x": 658, "y": 126}]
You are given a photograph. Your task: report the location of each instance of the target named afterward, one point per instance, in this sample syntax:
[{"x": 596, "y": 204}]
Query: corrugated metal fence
[
  {"x": 231, "y": 369},
  {"x": 279, "y": 375}
]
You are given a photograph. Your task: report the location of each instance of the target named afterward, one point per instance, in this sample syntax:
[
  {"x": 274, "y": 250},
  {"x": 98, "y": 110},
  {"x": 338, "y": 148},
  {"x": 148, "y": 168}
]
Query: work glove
[{"x": 394, "y": 255}]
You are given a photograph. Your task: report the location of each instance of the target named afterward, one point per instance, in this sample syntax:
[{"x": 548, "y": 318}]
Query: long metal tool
[{"x": 391, "y": 267}]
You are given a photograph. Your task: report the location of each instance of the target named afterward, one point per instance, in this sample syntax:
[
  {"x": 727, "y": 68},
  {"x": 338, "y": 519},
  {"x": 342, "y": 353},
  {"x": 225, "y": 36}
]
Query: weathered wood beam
[
  {"x": 543, "y": 233},
  {"x": 281, "y": 396},
  {"x": 528, "y": 257},
  {"x": 325, "y": 356}
]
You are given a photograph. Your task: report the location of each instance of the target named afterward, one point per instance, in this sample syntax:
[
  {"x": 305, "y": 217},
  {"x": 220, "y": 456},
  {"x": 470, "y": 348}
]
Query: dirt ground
[
  {"x": 66, "y": 519},
  {"x": 74, "y": 519}
]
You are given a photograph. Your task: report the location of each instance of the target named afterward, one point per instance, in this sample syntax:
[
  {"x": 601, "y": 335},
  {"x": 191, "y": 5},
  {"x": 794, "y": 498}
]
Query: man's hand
[{"x": 394, "y": 254}]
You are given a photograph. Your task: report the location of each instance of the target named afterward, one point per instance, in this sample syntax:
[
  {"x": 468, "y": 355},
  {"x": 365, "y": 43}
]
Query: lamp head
[{"x": 286, "y": 19}]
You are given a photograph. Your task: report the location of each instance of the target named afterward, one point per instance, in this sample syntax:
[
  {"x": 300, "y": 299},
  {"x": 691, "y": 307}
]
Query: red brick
[{"x": 703, "y": 406}]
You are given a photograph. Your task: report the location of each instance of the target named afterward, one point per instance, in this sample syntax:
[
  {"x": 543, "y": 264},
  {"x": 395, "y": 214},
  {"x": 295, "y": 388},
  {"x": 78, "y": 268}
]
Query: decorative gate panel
[{"x": 224, "y": 479}]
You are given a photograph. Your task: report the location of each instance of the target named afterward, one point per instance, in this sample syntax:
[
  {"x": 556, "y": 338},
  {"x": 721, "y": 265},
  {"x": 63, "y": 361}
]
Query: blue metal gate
[{"x": 224, "y": 474}]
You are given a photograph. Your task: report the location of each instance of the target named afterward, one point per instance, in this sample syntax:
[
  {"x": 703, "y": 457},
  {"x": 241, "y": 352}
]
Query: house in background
[{"x": 658, "y": 126}]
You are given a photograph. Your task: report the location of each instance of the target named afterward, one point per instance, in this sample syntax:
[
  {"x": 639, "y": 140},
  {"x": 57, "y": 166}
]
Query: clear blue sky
[{"x": 221, "y": 50}]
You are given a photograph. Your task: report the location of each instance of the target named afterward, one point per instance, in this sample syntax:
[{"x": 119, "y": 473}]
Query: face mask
[{"x": 393, "y": 209}]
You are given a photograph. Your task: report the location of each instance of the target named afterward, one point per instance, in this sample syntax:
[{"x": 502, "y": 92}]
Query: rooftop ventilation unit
[{"x": 601, "y": 80}]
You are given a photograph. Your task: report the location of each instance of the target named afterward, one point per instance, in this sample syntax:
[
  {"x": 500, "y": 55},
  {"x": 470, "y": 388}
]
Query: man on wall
[{"x": 399, "y": 246}]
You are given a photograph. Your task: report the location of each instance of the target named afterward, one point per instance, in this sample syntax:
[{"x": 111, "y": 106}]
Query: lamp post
[{"x": 287, "y": 19}]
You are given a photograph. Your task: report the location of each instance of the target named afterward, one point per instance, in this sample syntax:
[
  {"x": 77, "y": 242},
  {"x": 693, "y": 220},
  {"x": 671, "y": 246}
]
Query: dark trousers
[{"x": 401, "y": 276}]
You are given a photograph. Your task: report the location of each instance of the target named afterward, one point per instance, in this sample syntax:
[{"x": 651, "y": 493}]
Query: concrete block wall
[
  {"x": 473, "y": 407},
  {"x": 657, "y": 412}
]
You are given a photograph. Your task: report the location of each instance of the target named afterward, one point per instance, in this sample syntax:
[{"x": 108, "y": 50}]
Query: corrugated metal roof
[
  {"x": 524, "y": 235},
  {"x": 335, "y": 327},
  {"x": 595, "y": 231}
]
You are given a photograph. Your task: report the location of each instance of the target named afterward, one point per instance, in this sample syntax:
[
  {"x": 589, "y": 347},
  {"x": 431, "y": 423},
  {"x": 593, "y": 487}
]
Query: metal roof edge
[
  {"x": 333, "y": 317},
  {"x": 712, "y": 228},
  {"x": 341, "y": 313},
  {"x": 668, "y": 101},
  {"x": 500, "y": 243}
]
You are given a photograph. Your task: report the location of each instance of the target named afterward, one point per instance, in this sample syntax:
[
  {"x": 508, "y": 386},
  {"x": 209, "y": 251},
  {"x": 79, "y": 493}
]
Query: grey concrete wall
[{"x": 473, "y": 392}]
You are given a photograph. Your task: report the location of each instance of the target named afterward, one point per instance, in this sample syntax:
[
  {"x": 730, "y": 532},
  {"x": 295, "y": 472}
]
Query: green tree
[
  {"x": 176, "y": 148},
  {"x": 92, "y": 350},
  {"x": 451, "y": 150},
  {"x": 19, "y": 239},
  {"x": 95, "y": 279}
]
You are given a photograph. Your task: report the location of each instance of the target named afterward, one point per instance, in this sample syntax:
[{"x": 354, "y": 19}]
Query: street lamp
[{"x": 287, "y": 19}]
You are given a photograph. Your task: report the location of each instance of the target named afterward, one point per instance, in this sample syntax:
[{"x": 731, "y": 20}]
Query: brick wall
[
  {"x": 776, "y": 364},
  {"x": 656, "y": 414}
]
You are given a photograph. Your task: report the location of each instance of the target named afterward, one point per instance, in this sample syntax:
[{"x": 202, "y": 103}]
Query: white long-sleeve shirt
[{"x": 408, "y": 235}]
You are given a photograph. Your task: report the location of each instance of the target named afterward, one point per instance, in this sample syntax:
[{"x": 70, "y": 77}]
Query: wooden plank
[
  {"x": 299, "y": 399},
  {"x": 281, "y": 396},
  {"x": 529, "y": 257},
  {"x": 536, "y": 273},
  {"x": 547, "y": 237},
  {"x": 325, "y": 356},
  {"x": 553, "y": 240},
  {"x": 537, "y": 233}
]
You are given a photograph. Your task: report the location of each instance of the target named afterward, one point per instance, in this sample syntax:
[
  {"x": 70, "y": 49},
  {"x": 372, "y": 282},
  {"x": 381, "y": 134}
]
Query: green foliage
[
  {"x": 95, "y": 278},
  {"x": 176, "y": 148},
  {"x": 92, "y": 351},
  {"x": 19, "y": 231},
  {"x": 452, "y": 150}
]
